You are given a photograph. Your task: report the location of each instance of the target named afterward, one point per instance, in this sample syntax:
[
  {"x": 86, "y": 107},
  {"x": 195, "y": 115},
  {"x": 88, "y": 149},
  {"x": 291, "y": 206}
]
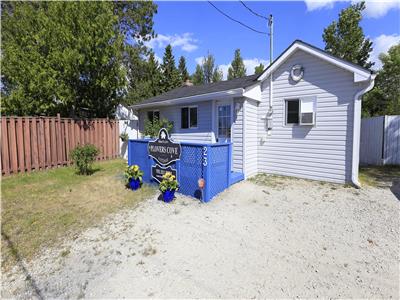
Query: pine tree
[
  {"x": 259, "y": 69},
  {"x": 345, "y": 38},
  {"x": 170, "y": 74},
  {"x": 183, "y": 72},
  {"x": 217, "y": 75},
  {"x": 207, "y": 72},
  {"x": 198, "y": 75},
  {"x": 237, "y": 69}
]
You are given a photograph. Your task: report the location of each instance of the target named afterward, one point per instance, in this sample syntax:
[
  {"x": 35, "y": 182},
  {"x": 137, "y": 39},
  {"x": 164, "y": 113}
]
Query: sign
[
  {"x": 157, "y": 172},
  {"x": 163, "y": 150}
]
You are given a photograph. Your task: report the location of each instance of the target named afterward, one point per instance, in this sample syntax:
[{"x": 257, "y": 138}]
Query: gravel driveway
[{"x": 290, "y": 238}]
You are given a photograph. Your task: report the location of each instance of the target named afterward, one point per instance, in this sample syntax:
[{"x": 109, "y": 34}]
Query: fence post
[{"x": 206, "y": 161}]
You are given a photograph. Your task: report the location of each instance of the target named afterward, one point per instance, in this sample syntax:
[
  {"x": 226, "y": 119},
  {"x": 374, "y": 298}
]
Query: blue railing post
[
  {"x": 229, "y": 163},
  {"x": 130, "y": 152}
]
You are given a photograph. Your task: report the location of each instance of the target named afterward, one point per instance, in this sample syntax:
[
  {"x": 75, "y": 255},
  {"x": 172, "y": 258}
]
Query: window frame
[{"x": 189, "y": 107}]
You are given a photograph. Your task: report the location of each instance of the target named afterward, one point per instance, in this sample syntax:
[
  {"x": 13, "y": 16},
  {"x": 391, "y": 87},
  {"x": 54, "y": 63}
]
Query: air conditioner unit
[{"x": 307, "y": 118}]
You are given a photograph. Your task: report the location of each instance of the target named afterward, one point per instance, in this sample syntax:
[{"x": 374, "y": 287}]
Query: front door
[{"x": 224, "y": 119}]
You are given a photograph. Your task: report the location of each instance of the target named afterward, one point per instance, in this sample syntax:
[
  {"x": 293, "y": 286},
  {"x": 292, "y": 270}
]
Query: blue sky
[{"x": 193, "y": 28}]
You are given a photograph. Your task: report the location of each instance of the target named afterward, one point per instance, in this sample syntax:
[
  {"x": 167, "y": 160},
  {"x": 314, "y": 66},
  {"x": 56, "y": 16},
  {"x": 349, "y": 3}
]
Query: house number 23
[{"x": 205, "y": 156}]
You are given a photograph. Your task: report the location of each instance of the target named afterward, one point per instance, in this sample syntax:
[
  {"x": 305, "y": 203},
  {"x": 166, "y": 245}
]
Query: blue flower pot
[
  {"x": 134, "y": 184},
  {"x": 168, "y": 195}
]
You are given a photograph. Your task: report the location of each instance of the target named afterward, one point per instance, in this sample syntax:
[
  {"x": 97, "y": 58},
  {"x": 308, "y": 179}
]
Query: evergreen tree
[
  {"x": 217, "y": 75},
  {"x": 384, "y": 99},
  {"x": 183, "y": 72},
  {"x": 345, "y": 38},
  {"x": 259, "y": 69},
  {"x": 170, "y": 74},
  {"x": 237, "y": 69},
  {"x": 198, "y": 75},
  {"x": 73, "y": 56},
  {"x": 207, "y": 72}
]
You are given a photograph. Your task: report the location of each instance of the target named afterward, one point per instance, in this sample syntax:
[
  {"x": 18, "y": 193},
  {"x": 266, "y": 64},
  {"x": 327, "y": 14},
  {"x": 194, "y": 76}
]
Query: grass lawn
[
  {"x": 379, "y": 176},
  {"x": 41, "y": 208}
]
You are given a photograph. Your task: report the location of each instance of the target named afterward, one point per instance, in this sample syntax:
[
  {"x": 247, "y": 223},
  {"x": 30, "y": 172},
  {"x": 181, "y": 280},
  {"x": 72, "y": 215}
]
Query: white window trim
[
  {"x": 215, "y": 115},
  {"x": 197, "y": 113}
]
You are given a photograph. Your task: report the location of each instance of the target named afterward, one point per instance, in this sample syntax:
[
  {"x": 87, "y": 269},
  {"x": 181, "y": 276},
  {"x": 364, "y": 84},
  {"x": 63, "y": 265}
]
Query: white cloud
[
  {"x": 377, "y": 9},
  {"x": 199, "y": 60},
  {"x": 318, "y": 4},
  {"x": 184, "y": 41},
  {"x": 249, "y": 63},
  {"x": 381, "y": 44}
]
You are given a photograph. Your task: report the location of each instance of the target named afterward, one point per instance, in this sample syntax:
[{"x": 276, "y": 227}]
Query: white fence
[
  {"x": 128, "y": 123},
  {"x": 380, "y": 141}
]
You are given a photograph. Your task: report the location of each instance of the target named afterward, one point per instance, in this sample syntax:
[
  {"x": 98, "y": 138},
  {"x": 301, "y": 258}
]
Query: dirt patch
[{"x": 297, "y": 238}]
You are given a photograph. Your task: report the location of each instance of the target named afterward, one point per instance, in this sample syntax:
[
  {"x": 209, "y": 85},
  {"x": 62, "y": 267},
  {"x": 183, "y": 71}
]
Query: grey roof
[{"x": 187, "y": 91}]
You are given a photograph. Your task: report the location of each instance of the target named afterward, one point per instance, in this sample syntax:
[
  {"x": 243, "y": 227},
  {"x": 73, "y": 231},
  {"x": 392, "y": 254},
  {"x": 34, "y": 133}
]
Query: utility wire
[
  {"x": 232, "y": 19},
  {"x": 252, "y": 11}
]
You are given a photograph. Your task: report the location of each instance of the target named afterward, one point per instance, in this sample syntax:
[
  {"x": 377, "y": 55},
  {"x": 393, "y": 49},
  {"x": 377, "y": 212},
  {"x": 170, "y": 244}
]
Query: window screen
[
  {"x": 292, "y": 111},
  {"x": 151, "y": 115}
]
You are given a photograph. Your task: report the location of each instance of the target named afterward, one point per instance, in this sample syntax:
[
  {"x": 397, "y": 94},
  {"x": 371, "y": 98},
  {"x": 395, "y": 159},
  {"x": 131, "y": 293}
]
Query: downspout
[{"x": 357, "y": 130}]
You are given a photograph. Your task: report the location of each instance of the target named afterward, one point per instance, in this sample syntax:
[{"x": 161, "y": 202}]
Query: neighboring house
[{"x": 300, "y": 117}]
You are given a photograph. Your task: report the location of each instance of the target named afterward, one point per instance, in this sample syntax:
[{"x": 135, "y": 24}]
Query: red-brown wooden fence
[{"x": 35, "y": 143}]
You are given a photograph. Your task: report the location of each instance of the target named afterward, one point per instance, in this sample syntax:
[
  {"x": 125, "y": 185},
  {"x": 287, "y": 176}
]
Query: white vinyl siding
[
  {"x": 322, "y": 151},
  {"x": 237, "y": 136},
  {"x": 201, "y": 134},
  {"x": 250, "y": 138}
]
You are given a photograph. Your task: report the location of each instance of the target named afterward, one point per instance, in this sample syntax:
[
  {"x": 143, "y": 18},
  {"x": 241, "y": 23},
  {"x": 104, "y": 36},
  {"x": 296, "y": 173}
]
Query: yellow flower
[{"x": 135, "y": 167}]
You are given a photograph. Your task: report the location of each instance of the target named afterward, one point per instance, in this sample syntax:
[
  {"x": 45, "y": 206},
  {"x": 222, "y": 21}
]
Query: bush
[
  {"x": 83, "y": 158},
  {"x": 152, "y": 129},
  {"x": 124, "y": 137}
]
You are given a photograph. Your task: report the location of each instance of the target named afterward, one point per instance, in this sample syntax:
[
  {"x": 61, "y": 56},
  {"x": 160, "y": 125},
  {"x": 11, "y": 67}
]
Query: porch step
[{"x": 235, "y": 177}]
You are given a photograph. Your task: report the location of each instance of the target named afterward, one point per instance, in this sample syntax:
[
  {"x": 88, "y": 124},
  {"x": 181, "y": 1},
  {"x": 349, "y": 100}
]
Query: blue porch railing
[{"x": 209, "y": 161}]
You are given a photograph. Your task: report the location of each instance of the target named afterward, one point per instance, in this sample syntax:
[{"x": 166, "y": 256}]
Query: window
[
  {"x": 152, "y": 115},
  {"x": 301, "y": 111},
  {"x": 188, "y": 117},
  {"x": 292, "y": 111},
  {"x": 224, "y": 121}
]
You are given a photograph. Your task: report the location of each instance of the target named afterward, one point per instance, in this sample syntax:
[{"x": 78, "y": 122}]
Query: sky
[{"x": 196, "y": 28}]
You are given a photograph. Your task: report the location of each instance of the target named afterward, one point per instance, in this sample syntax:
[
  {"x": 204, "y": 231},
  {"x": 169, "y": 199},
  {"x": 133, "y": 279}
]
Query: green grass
[
  {"x": 40, "y": 208},
  {"x": 379, "y": 176}
]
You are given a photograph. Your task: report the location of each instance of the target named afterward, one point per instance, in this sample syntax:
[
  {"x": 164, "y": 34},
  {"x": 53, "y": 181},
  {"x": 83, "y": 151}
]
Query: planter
[
  {"x": 168, "y": 195},
  {"x": 134, "y": 184}
]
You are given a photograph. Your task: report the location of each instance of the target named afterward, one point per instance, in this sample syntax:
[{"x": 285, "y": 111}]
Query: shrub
[
  {"x": 169, "y": 182},
  {"x": 83, "y": 158},
  {"x": 133, "y": 172},
  {"x": 151, "y": 129}
]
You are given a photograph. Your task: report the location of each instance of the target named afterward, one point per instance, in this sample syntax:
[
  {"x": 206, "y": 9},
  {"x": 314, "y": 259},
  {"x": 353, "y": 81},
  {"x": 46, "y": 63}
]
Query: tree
[
  {"x": 345, "y": 38},
  {"x": 207, "y": 72},
  {"x": 65, "y": 56},
  {"x": 183, "y": 72},
  {"x": 198, "y": 75},
  {"x": 259, "y": 69},
  {"x": 237, "y": 69},
  {"x": 384, "y": 99},
  {"x": 170, "y": 74}
]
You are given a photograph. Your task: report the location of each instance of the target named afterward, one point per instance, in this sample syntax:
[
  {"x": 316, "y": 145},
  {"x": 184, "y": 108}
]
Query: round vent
[{"x": 297, "y": 72}]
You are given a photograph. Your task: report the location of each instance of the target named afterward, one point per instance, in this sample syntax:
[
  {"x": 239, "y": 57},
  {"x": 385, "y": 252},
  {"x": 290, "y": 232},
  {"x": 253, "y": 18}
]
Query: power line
[
  {"x": 252, "y": 11},
  {"x": 232, "y": 19}
]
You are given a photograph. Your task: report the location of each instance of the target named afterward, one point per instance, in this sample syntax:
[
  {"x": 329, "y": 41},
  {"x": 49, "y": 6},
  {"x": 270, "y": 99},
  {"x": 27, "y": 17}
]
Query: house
[{"x": 300, "y": 117}]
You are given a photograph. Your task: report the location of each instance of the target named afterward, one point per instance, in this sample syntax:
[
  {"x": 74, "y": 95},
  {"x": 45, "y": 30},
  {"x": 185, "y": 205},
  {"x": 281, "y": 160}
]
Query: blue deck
[{"x": 213, "y": 162}]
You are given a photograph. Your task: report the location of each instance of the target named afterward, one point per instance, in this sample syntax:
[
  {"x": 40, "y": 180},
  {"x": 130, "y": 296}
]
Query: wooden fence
[
  {"x": 35, "y": 143},
  {"x": 380, "y": 141}
]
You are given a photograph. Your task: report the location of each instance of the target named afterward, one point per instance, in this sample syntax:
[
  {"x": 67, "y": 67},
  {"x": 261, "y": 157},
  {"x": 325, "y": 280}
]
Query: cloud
[
  {"x": 199, "y": 60},
  {"x": 382, "y": 44},
  {"x": 373, "y": 9},
  {"x": 377, "y": 9},
  {"x": 184, "y": 41},
  {"x": 249, "y": 63},
  {"x": 318, "y": 4}
]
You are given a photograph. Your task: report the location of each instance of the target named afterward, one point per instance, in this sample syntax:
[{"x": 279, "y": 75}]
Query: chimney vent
[{"x": 188, "y": 83}]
